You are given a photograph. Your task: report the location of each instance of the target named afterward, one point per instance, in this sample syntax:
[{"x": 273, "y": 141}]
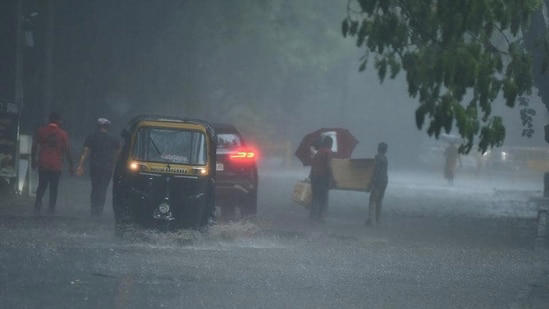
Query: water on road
[{"x": 470, "y": 245}]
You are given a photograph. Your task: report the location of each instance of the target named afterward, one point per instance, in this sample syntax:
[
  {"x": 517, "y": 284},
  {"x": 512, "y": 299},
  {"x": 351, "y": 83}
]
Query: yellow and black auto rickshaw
[{"x": 165, "y": 175}]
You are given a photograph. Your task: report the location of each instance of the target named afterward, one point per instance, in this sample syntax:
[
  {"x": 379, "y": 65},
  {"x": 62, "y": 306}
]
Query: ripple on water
[{"x": 222, "y": 236}]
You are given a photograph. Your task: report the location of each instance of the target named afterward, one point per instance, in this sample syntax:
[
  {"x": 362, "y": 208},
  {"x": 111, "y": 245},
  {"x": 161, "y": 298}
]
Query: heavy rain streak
[{"x": 274, "y": 154}]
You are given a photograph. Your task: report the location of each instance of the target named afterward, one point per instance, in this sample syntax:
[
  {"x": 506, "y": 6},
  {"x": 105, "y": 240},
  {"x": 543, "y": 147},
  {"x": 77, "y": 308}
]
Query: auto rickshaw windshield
[{"x": 170, "y": 145}]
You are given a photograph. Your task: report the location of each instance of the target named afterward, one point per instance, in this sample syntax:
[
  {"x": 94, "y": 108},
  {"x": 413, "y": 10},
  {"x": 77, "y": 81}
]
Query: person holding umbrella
[
  {"x": 321, "y": 178},
  {"x": 317, "y": 150}
]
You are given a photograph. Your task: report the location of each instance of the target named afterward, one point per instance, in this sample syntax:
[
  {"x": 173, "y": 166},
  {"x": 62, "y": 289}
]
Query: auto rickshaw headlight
[
  {"x": 133, "y": 166},
  {"x": 201, "y": 171}
]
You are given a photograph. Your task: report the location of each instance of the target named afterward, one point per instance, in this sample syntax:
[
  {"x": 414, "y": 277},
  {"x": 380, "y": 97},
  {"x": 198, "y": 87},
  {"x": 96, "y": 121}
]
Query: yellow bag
[{"x": 303, "y": 194}]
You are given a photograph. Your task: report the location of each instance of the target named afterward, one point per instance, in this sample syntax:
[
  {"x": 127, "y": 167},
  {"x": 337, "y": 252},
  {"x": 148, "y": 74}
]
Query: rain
[{"x": 224, "y": 223}]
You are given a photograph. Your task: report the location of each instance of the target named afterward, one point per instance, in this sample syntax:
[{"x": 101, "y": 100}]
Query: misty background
[{"x": 275, "y": 69}]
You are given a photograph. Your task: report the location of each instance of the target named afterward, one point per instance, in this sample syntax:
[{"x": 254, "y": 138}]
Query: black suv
[{"x": 236, "y": 173}]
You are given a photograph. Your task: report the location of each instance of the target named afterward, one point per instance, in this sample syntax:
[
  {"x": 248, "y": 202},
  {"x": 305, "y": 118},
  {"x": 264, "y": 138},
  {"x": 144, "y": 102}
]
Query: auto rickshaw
[{"x": 165, "y": 174}]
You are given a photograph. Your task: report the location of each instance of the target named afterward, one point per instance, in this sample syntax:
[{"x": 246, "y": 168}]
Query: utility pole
[
  {"x": 48, "y": 53},
  {"x": 18, "y": 93}
]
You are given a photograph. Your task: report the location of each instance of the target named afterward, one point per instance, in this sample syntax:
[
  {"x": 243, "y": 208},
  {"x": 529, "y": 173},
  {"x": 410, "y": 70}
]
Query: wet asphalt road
[{"x": 467, "y": 246}]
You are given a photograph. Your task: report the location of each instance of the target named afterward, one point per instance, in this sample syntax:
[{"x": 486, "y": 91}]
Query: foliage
[
  {"x": 527, "y": 116},
  {"x": 537, "y": 43},
  {"x": 458, "y": 56}
]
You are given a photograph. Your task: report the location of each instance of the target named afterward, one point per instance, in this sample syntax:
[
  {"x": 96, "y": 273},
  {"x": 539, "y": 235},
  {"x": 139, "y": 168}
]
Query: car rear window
[{"x": 228, "y": 141}]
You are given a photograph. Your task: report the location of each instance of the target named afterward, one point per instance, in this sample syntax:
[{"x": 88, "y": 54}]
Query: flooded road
[{"x": 465, "y": 246}]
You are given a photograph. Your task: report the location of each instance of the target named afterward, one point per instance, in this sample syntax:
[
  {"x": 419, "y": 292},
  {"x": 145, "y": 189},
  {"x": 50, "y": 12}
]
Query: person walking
[
  {"x": 378, "y": 185},
  {"x": 452, "y": 157},
  {"x": 321, "y": 178},
  {"x": 102, "y": 149},
  {"x": 49, "y": 148}
]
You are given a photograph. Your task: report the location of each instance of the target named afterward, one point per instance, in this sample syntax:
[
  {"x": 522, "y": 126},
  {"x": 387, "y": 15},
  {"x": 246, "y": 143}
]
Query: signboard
[
  {"x": 9, "y": 129},
  {"x": 353, "y": 174}
]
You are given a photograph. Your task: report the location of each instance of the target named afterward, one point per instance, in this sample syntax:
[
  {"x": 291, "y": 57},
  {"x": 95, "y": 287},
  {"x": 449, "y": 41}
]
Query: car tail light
[{"x": 244, "y": 156}]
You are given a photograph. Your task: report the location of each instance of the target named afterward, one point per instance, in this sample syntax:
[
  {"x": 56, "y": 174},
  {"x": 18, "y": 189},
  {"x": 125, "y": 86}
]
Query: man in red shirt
[
  {"x": 321, "y": 178},
  {"x": 50, "y": 146}
]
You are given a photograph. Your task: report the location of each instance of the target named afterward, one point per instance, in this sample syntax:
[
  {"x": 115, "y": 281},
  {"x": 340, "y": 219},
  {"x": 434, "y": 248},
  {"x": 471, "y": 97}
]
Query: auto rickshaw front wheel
[{"x": 123, "y": 220}]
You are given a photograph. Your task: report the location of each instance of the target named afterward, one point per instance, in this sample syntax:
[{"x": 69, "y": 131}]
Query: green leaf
[
  {"x": 345, "y": 27},
  {"x": 395, "y": 68},
  {"x": 450, "y": 50},
  {"x": 510, "y": 92},
  {"x": 544, "y": 64},
  {"x": 363, "y": 65},
  {"x": 381, "y": 66},
  {"x": 362, "y": 33},
  {"x": 420, "y": 116},
  {"x": 354, "y": 27}
]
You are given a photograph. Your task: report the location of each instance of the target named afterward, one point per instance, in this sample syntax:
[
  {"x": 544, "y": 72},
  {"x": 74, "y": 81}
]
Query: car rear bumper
[{"x": 227, "y": 191}]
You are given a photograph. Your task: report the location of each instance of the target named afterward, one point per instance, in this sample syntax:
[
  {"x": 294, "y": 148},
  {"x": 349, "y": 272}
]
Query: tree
[
  {"x": 459, "y": 57},
  {"x": 538, "y": 29}
]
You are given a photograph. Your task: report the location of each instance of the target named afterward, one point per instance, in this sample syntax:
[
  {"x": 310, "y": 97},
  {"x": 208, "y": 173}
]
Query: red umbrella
[{"x": 344, "y": 144}]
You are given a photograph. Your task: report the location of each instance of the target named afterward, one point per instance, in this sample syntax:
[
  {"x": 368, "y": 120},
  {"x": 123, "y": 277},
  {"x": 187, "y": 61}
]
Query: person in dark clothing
[
  {"x": 378, "y": 185},
  {"x": 321, "y": 178},
  {"x": 102, "y": 148},
  {"x": 49, "y": 148}
]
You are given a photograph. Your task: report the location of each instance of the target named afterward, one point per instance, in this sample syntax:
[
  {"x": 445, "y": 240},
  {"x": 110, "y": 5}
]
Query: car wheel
[
  {"x": 228, "y": 212},
  {"x": 199, "y": 216},
  {"x": 208, "y": 215}
]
